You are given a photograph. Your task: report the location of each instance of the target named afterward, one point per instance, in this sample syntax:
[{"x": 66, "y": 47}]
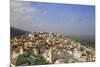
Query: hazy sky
[{"x": 65, "y": 18}]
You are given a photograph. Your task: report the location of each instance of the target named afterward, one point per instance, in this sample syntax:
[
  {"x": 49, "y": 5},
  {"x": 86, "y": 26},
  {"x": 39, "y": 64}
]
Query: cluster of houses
[{"x": 54, "y": 48}]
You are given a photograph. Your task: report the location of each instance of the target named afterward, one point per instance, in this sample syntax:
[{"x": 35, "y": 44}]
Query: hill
[{"x": 16, "y": 32}]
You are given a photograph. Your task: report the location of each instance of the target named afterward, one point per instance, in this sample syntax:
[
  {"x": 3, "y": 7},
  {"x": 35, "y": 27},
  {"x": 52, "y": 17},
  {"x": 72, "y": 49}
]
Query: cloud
[
  {"x": 32, "y": 16},
  {"x": 23, "y": 16},
  {"x": 18, "y": 7}
]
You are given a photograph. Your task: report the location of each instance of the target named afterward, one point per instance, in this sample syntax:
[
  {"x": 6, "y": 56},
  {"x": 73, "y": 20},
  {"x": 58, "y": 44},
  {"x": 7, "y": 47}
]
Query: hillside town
[{"x": 39, "y": 48}]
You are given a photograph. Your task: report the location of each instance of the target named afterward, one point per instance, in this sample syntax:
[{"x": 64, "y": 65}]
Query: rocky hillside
[{"x": 48, "y": 48}]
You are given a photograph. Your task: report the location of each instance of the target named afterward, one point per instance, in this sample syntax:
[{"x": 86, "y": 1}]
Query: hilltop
[{"x": 37, "y": 48}]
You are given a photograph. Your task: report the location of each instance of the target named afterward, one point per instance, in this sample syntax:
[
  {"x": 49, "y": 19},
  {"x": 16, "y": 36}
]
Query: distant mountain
[{"x": 16, "y": 32}]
